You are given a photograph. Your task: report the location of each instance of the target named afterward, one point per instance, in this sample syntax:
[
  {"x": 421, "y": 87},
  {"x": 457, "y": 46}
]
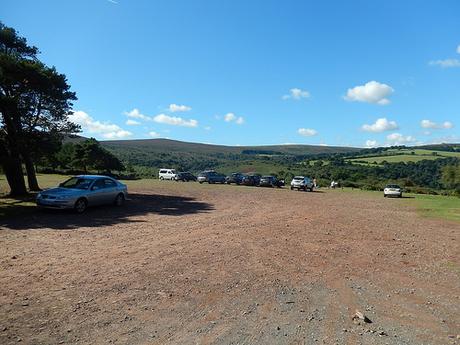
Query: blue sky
[{"x": 355, "y": 73}]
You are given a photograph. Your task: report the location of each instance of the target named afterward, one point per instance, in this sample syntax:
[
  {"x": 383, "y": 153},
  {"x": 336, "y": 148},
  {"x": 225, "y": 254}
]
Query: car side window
[
  {"x": 99, "y": 184},
  {"x": 109, "y": 183}
]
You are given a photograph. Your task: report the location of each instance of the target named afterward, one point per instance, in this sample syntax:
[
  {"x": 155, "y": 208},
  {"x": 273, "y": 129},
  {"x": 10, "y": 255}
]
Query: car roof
[{"x": 94, "y": 176}]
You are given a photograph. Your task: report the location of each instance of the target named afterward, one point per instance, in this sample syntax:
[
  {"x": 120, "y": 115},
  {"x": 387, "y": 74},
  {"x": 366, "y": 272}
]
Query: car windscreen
[
  {"x": 392, "y": 186},
  {"x": 77, "y": 183},
  {"x": 297, "y": 178}
]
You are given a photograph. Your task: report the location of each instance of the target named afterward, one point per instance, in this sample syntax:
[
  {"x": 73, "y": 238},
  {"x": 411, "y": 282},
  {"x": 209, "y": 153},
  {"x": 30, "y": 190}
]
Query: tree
[
  {"x": 450, "y": 176},
  {"x": 35, "y": 101},
  {"x": 91, "y": 155}
]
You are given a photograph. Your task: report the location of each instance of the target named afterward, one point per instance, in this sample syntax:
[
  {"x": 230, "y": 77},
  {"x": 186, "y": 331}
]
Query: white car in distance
[
  {"x": 167, "y": 174},
  {"x": 302, "y": 183},
  {"x": 392, "y": 190}
]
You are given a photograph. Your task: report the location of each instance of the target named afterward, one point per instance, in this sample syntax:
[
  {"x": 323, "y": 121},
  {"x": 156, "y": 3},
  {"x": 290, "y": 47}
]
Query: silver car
[
  {"x": 302, "y": 183},
  {"x": 82, "y": 191},
  {"x": 392, "y": 190}
]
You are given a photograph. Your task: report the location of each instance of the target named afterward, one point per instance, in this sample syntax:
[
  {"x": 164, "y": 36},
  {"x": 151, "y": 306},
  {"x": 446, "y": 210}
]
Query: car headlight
[{"x": 39, "y": 195}]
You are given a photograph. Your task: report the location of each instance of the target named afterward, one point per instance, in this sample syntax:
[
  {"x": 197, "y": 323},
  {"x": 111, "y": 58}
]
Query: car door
[
  {"x": 110, "y": 191},
  {"x": 95, "y": 195}
]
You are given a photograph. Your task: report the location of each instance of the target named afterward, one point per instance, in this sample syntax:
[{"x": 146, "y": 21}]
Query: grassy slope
[
  {"x": 406, "y": 156},
  {"x": 437, "y": 206},
  {"x": 166, "y": 146}
]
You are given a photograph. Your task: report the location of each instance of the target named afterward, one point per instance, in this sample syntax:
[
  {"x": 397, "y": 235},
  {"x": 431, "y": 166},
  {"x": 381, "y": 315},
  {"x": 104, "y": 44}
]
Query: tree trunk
[
  {"x": 14, "y": 175},
  {"x": 31, "y": 175},
  {"x": 11, "y": 158}
]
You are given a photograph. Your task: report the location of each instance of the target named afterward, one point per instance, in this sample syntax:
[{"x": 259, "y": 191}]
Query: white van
[{"x": 167, "y": 174}]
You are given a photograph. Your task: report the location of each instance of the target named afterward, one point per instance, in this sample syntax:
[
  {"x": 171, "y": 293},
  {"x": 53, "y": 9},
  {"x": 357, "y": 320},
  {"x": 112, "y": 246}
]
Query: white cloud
[
  {"x": 446, "y": 63},
  {"x": 371, "y": 143},
  {"x": 458, "y": 49},
  {"x": 154, "y": 134},
  {"x": 231, "y": 117},
  {"x": 175, "y": 121},
  {"x": 433, "y": 125},
  {"x": 105, "y": 129},
  {"x": 307, "y": 132},
  {"x": 399, "y": 139},
  {"x": 136, "y": 114},
  {"x": 371, "y": 92},
  {"x": 130, "y": 122},
  {"x": 297, "y": 94},
  {"x": 178, "y": 108},
  {"x": 380, "y": 125},
  {"x": 117, "y": 134},
  {"x": 207, "y": 128}
]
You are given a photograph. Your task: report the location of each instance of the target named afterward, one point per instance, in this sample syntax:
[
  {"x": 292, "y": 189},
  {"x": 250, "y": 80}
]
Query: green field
[
  {"x": 446, "y": 207},
  {"x": 404, "y": 155}
]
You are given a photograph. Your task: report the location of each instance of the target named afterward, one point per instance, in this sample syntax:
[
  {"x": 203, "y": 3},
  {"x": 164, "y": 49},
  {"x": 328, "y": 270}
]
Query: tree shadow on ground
[{"x": 28, "y": 217}]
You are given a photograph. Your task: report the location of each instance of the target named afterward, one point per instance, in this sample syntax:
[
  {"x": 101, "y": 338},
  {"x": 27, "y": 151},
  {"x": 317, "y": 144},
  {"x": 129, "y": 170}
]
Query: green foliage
[
  {"x": 450, "y": 177},
  {"x": 35, "y": 101},
  {"x": 91, "y": 155}
]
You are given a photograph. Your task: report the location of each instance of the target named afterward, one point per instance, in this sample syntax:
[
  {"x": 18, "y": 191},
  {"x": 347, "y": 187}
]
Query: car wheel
[
  {"x": 292, "y": 188},
  {"x": 80, "y": 205},
  {"x": 384, "y": 195},
  {"x": 200, "y": 182},
  {"x": 119, "y": 200},
  {"x": 162, "y": 178}
]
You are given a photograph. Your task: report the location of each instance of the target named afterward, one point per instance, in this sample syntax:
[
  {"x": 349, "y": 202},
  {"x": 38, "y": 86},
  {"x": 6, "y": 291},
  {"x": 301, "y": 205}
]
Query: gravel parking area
[{"x": 183, "y": 263}]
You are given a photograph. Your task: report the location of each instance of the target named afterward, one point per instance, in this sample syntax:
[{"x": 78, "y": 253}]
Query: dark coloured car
[
  {"x": 236, "y": 178},
  {"x": 270, "y": 181},
  {"x": 211, "y": 177},
  {"x": 251, "y": 180},
  {"x": 185, "y": 177}
]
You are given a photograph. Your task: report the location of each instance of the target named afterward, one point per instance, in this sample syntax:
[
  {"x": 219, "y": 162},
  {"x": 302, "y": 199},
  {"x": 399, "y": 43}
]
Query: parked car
[
  {"x": 302, "y": 183},
  {"x": 80, "y": 192},
  {"x": 167, "y": 174},
  {"x": 270, "y": 181},
  {"x": 392, "y": 190},
  {"x": 236, "y": 178},
  {"x": 185, "y": 177},
  {"x": 211, "y": 176},
  {"x": 251, "y": 180}
]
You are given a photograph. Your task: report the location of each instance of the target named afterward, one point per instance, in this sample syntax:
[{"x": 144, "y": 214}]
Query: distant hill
[
  {"x": 167, "y": 145},
  {"x": 146, "y": 156}
]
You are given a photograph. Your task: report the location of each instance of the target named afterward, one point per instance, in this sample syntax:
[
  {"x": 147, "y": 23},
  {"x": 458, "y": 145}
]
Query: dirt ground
[{"x": 183, "y": 263}]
